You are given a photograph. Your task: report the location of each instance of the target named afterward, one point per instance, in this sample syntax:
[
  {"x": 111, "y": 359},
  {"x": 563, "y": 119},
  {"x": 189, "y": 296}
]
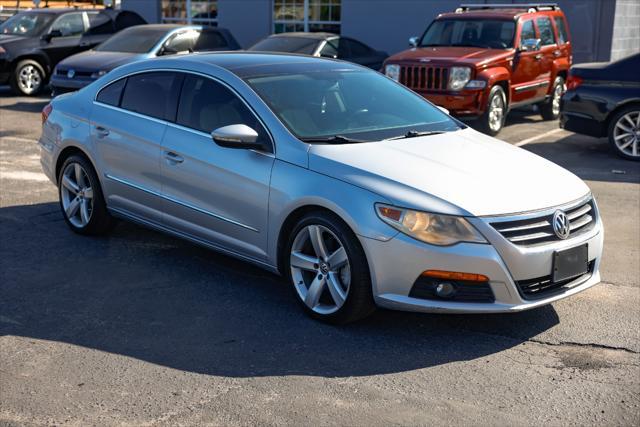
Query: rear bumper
[{"x": 580, "y": 114}]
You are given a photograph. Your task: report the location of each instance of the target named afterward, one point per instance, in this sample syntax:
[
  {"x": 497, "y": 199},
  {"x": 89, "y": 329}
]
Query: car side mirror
[
  {"x": 237, "y": 136},
  {"x": 327, "y": 55},
  {"x": 444, "y": 110},
  {"x": 529, "y": 45},
  {"x": 166, "y": 50},
  {"x": 413, "y": 41},
  {"x": 51, "y": 34}
]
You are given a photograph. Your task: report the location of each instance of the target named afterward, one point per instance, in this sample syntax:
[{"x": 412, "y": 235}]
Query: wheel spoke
[
  {"x": 88, "y": 193},
  {"x": 315, "y": 234},
  {"x": 78, "y": 174},
  {"x": 335, "y": 289},
  {"x": 619, "y": 125},
  {"x": 314, "y": 291},
  {"x": 628, "y": 118},
  {"x": 72, "y": 209},
  {"x": 622, "y": 135},
  {"x": 338, "y": 259},
  {"x": 304, "y": 262},
  {"x": 84, "y": 211},
  {"x": 635, "y": 147},
  {"x": 70, "y": 185},
  {"x": 626, "y": 144}
]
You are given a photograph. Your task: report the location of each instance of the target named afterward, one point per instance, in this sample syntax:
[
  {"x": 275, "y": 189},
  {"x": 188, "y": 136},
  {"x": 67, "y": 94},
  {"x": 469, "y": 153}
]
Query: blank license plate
[{"x": 570, "y": 263}]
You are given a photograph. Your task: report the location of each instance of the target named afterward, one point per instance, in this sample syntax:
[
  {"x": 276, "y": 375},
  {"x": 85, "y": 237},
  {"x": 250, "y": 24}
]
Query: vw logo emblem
[
  {"x": 71, "y": 73},
  {"x": 561, "y": 225}
]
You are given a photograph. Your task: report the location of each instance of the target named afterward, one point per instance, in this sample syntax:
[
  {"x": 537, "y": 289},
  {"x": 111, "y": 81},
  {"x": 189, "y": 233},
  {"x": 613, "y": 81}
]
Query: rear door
[
  {"x": 128, "y": 122},
  {"x": 526, "y": 71}
]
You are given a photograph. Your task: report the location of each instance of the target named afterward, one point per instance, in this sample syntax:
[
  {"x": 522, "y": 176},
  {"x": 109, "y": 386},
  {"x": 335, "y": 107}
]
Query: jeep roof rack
[{"x": 531, "y": 7}]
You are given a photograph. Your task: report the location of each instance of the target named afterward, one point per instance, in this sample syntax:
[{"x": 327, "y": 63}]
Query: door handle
[
  {"x": 102, "y": 132},
  {"x": 557, "y": 53},
  {"x": 173, "y": 158},
  {"x": 538, "y": 57}
]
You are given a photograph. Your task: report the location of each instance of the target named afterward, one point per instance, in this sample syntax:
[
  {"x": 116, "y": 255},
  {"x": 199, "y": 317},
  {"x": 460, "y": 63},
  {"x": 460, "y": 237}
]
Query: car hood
[
  {"x": 94, "y": 60},
  {"x": 6, "y": 39},
  {"x": 459, "y": 173},
  {"x": 441, "y": 54}
]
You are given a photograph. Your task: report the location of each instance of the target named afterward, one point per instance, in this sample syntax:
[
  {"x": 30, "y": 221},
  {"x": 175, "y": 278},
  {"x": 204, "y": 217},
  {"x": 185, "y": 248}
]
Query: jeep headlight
[
  {"x": 458, "y": 77},
  {"x": 392, "y": 71},
  {"x": 435, "y": 229}
]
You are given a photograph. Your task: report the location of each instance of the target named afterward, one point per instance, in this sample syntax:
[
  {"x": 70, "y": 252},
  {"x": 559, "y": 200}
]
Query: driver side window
[
  {"x": 527, "y": 32},
  {"x": 71, "y": 24}
]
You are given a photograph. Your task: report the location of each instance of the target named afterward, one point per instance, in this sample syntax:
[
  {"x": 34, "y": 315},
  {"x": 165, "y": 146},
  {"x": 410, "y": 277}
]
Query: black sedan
[
  {"x": 323, "y": 44},
  {"x": 603, "y": 99},
  {"x": 134, "y": 44},
  {"x": 34, "y": 41}
]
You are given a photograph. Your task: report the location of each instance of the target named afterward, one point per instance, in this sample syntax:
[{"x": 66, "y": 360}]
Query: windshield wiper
[
  {"x": 415, "y": 133},
  {"x": 335, "y": 139}
]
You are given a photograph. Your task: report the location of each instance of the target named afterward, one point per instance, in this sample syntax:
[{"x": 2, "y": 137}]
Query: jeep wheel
[
  {"x": 550, "y": 109},
  {"x": 492, "y": 121},
  {"x": 28, "y": 78}
]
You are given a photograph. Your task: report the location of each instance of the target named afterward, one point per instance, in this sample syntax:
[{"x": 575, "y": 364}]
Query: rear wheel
[
  {"x": 550, "y": 109},
  {"x": 492, "y": 121},
  {"x": 624, "y": 133},
  {"x": 28, "y": 78},
  {"x": 328, "y": 270}
]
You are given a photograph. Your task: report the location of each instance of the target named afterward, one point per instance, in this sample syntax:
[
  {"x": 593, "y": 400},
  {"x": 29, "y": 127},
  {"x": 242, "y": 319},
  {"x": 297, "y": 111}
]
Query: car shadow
[{"x": 142, "y": 294}]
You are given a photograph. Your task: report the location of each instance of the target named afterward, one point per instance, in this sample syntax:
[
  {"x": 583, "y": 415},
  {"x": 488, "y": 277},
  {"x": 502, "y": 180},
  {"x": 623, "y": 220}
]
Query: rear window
[
  {"x": 111, "y": 94},
  {"x": 286, "y": 44},
  {"x": 209, "y": 40},
  {"x": 133, "y": 40},
  {"x": 563, "y": 37},
  {"x": 152, "y": 94}
]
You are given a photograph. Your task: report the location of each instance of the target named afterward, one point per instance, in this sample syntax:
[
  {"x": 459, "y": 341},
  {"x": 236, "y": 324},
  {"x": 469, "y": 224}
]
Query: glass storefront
[
  {"x": 203, "y": 12},
  {"x": 306, "y": 15}
]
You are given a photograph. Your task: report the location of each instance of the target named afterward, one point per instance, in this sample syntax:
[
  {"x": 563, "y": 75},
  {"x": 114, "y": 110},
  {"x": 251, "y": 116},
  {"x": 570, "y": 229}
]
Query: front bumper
[
  {"x": 465, "y": 103},
  {"x": 65, "y": 84},
  {"x": 502, "y": 261}
]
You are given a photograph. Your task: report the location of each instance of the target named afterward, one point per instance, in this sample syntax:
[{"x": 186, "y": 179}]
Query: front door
[
  {"x": 526, "y": 74},
  {"x": 68, "y": 30},
  {"x": 215, "y": 194}
]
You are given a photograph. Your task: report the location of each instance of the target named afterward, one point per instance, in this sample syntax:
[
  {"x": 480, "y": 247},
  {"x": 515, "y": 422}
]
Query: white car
[{"x": 357, "y": 190}]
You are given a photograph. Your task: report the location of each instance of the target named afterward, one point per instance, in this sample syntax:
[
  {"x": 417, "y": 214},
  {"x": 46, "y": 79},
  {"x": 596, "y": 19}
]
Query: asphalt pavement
[{"x": 139, "y": 328}]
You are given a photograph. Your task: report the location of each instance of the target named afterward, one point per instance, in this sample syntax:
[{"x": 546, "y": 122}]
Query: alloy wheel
[
  {"x": 496, "y": 112},
  {"x": 626, "y": 134},
  {"x": 77, "y": 195},
  {"x": 29, "y": 79},
  {"x": 555, "y": 102},
  {"x": 320, "y": 269}
]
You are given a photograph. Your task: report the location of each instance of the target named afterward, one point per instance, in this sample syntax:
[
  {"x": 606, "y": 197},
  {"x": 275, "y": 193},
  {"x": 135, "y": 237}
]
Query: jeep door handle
[
  {"x": 538, "y": 57},
  {"x": 173, "y": 158},
  {"x": 102, "y": 132},
  {"x": 557, "y": 53}
]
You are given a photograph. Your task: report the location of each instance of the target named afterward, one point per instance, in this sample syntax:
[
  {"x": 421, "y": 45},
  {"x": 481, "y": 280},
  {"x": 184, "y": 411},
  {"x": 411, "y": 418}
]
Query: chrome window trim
[
  {"x": 215, "y": 79},
  {"x": 537, "y": 213},
  {"x": 180, "y": 202},
  {"x": 133, "y": 113}
]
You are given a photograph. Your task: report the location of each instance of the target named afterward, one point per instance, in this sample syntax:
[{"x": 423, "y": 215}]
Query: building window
[
  {"x": 306, "y": 15},
  {"x": 203, "y": 12}
]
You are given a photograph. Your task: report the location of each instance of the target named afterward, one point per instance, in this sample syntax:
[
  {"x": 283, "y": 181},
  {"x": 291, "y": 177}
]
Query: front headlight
[
  {"x": 435, "y": 229},
  {"x": 392, "y": 71},
  {"x": 458, "y": 77},
  {"x": 98, "y": 74}
]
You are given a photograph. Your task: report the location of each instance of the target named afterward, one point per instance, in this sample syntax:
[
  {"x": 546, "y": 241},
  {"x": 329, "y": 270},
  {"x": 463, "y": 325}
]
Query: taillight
[
  {"x": 573, "y": 82},
  {"x": 45, "y": 112}
]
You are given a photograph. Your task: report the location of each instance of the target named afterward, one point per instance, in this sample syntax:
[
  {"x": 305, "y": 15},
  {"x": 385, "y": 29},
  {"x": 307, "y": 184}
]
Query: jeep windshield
[
  {"x": 487, "y": 34},
  {"x": 348, "y": 106}
]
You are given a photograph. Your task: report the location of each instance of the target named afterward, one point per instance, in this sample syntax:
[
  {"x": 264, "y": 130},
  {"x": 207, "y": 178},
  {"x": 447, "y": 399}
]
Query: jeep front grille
[
  {"x": 420, "y": 77},
  {"x": 538, "y": 229}
]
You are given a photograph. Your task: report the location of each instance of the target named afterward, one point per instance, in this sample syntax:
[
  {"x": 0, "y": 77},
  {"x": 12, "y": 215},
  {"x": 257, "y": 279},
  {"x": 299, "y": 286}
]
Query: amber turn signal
[{"x": 452, "y": 275}]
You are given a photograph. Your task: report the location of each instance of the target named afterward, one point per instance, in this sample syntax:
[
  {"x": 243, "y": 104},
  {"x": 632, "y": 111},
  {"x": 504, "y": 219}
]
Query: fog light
[{"x": 445, "y": 289}]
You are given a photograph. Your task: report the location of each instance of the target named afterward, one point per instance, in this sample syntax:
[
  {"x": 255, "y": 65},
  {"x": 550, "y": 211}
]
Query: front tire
[
  {"x": 28, "y": 78},
  {"x": 328, "y": 270},
  {"x": 550, "y": 110},
  {"x": 624, "y": 133},
  {"x": 492, "y": 121},
  {"x": 81, "y": 199}
]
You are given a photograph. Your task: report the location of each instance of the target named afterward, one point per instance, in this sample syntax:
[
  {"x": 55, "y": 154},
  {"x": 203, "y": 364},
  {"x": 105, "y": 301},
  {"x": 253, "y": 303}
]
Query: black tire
[
  {"x": 548, "y": 110},
  {"x": 633, "y": 139},
  {"x": 100, "y": 222},
  {"x": 28, "y": 66},
  {"x": 359, "y": 299},
  {"x": 488, "y": 124}
]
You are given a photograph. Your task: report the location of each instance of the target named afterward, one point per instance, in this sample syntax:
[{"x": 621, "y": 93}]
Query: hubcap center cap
[{"x": 324, "y": 267}]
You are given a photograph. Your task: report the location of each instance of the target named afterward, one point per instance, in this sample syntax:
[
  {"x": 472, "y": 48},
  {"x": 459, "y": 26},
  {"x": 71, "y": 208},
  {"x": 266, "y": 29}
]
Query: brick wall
[{"x": 626, "y": 29}]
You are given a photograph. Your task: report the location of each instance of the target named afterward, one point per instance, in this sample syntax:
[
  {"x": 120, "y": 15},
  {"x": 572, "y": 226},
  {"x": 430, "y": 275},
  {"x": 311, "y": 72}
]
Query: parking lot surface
[{"x": 140, "y": 328}]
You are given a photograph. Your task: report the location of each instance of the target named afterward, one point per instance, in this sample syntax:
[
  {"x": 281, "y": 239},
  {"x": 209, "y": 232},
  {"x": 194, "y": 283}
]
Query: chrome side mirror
[
  {"x": 237, "y": 136},
  {"x": 529, "y": 45},
  {"x": 413, "y": 41}
]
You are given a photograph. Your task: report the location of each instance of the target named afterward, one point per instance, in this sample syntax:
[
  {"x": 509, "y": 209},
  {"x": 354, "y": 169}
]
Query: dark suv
[
  {"x": 34, "y": 41},
  {"x": 482, "y": 60}
]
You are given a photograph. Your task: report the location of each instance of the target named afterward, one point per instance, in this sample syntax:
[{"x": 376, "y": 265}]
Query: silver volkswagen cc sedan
[{"x": 357, "y": 190}]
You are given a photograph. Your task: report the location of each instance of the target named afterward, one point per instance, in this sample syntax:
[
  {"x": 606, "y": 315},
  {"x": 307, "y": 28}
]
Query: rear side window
[
  {"x": 546, "y": 31},
  {"x": 100, "y": 23},
  {"x": 563, "y": 37},
  {"x": 208, "y": 40},
  {"x": 356, "y": 49},
  {"x": 111, "y": 94},
  {"x": 71, "y": 24},
  {"x": 152, "y": 94},
  {"x": 528, "y": 32},
  {"x": 206, "y": 105}
]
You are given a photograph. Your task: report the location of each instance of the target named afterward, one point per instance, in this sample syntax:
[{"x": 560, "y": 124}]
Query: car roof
[
  {"x": 318, "y": 36},
  {"x": 492, "y": 13},
  {"x": 57, "y": 11}
]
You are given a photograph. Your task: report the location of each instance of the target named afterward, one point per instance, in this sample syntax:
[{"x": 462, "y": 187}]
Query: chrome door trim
[
  {"x": 531, "y": 86},
  {"x": 180, "y": 202}
]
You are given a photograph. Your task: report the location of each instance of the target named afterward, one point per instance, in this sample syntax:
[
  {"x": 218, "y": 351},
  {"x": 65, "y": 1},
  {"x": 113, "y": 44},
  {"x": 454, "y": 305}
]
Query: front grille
[
  {"x": 537, "y": 230},
  {"x": 424, "y": 77},
  {"x": 425, "y": 288},
  {"x": 62, "y": 72},
  {"x": 542, "y": 287}
]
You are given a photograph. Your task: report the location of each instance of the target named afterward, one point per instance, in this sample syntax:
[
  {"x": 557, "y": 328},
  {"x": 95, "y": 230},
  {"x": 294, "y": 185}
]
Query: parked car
[
  {"x": 603, "y": 99},
  {"x": 483, "y": 60},
  {"x": 328, "y": 45},
  {"x": 134, "y": 44},
  {"x": 34, "y": 41},
  {"x": 356, "y": 189}
]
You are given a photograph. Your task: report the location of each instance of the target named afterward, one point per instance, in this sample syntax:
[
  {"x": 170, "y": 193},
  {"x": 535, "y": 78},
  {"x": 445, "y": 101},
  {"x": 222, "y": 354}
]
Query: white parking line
[
  {"x": 17, "y": 138},
  {"x": 535, "y": 138}
]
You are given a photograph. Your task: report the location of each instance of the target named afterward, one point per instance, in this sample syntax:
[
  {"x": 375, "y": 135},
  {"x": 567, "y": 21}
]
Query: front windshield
[
  {"x": 133, "y": 40},
  {"x": 26, "y": 24},
  {"x": 492, "y": 34},
  {"x": 301, "y": 45},
  {"x": 362, "y": 105}
]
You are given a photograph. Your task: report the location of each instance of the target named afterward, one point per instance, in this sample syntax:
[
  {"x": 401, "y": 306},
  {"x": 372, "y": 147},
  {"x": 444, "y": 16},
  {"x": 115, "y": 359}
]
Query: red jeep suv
[{"x": 482, "y": 60}]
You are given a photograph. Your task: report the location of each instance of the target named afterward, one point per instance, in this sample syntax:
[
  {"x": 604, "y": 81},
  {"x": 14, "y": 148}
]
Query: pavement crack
[{"x": 584, "y": 345}]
